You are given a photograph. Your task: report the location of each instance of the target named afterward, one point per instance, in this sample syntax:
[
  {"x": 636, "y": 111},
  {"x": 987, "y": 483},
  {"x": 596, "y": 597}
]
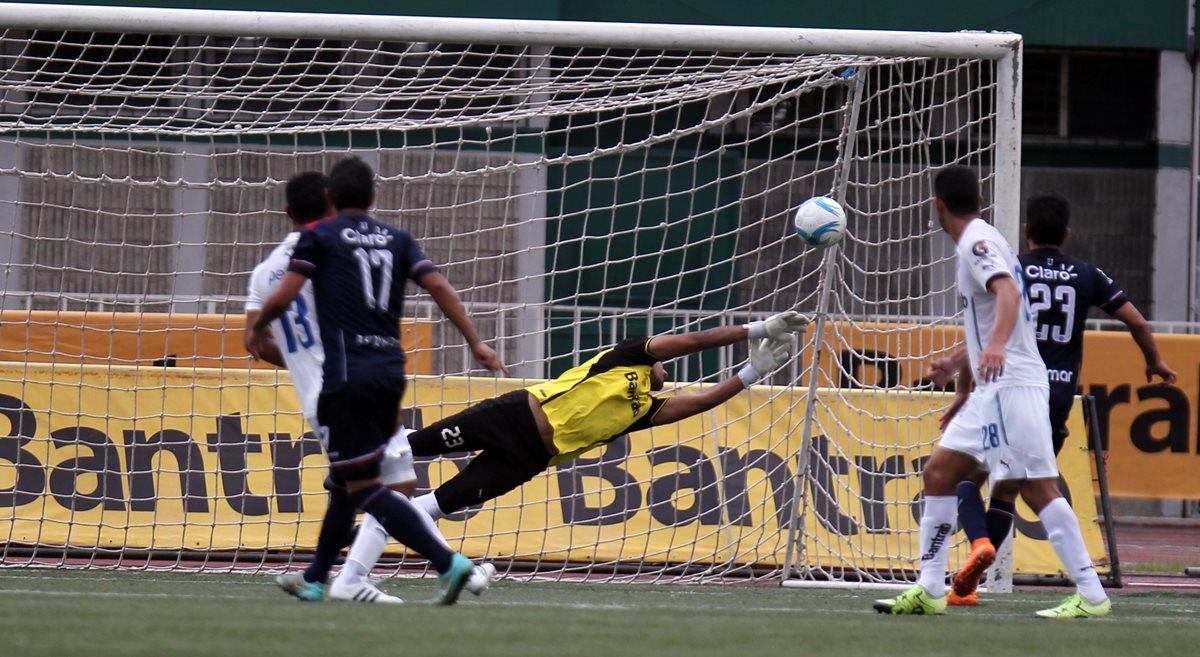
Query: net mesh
[{"x": 573, "y": 196}]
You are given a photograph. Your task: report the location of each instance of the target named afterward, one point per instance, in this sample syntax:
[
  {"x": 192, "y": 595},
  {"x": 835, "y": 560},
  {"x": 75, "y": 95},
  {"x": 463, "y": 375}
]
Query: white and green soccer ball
[{"x": 820, "y": 221}]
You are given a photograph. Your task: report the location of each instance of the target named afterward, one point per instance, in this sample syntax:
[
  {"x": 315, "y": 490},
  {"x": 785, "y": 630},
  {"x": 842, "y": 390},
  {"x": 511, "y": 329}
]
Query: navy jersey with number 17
[
  {"x": 358, "y": 267},
  {"x": 1061, "y": 290}
]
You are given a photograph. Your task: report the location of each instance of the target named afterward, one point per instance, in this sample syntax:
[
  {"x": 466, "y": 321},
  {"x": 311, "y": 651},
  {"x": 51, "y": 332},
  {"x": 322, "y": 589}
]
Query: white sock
[
  {"x": 1063, "y": 527},
  {"x": 429, "y": 522},
  {"x": 428, "y": 502},
  {"x": 937, "y": 528},
  {"x": 364, "y": 553}
]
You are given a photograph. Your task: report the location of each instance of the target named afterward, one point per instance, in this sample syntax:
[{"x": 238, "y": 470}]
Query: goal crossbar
[{"x": 510, "y": 32}]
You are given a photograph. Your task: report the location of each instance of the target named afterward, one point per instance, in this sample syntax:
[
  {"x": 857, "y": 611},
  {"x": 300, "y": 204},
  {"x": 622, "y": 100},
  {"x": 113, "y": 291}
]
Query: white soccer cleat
[
  {"x": 481, "y": 579},
  {"x": 362, "y": 591}
]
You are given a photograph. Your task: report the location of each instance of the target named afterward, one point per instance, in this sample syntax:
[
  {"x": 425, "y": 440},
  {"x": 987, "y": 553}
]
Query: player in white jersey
[
  {"x": 1003, "y": 426},
  {"x": 297, "y": 347}
]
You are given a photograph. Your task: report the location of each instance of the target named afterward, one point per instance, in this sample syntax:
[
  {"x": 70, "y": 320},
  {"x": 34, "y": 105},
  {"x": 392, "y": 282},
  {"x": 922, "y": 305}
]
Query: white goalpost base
[{"x": 577, "y": 182}]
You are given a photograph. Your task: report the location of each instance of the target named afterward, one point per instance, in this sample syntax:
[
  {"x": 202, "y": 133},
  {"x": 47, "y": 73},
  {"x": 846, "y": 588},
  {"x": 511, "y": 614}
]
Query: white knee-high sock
[
  {"x": 937, "y": 527},
  {"x": 370, "y": 542},
  {"x": 364, "y": 553},
  {"x": 429, "y": 522},
  {"x": 428, "y": 502},
  {"x": 1063, "y": 527}
]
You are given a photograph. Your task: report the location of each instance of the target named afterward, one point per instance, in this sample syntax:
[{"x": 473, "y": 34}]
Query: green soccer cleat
[
  {"x": 451, "y": 582},
  {"x": 915, "y": 600},
  {"x": 1076, "y": 607},
  {"x": 296, "y": 585}
]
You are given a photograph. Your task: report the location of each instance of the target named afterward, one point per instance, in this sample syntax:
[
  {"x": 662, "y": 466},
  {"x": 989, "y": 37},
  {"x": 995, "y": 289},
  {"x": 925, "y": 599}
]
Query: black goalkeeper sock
[
  {"x": 336, "y": 529},
  {"x": 400, "y": 518}
]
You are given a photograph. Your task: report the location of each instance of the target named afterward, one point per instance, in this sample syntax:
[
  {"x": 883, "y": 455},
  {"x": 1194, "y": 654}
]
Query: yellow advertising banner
[
  {"x": 174, "y": 339},
  {"x": 1150, "y": 430},
  {"x": 209, "y": 460}
]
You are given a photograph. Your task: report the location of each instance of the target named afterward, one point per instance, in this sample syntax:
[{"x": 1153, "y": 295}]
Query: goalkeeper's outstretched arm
[
  {"x": 765, "y": 357},
  {"x": 666, "y": 347}
]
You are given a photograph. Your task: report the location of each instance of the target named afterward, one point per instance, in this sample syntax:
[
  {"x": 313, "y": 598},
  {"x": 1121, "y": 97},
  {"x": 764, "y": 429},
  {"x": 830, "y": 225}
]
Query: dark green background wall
[{"x": 1159, "y": 24}]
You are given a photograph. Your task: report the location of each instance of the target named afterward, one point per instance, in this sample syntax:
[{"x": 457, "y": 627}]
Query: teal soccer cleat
[
  {"x": 451, "y": 582},
  {"x": 295, "y": 584}
]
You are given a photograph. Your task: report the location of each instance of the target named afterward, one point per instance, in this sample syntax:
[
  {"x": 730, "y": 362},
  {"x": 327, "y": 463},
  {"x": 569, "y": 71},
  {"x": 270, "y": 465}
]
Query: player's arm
[
  {"x": 765, "y": 357},
  {"x": 273, "y": 308},
  {"x": 962, "y": 392},
  {"x": 943, "y": 370},
  {"x": 446, "y": 298},
  {"x": 268, "y": 350},
  {"x": 1143, "y": 335},
  {"x": 1008, "y": 304},
  {"x": 666, "y": 347}
]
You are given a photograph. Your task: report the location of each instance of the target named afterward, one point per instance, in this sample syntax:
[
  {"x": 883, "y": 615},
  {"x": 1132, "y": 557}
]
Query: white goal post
[{"x": 577, "y": 182}]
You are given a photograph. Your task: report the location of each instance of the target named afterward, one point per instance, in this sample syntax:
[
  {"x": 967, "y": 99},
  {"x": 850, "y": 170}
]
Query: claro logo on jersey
[
  {"x": 631, "y": 392},
  {"x": 1047, "y": 274},
  {"x": 376, "y": 238}
]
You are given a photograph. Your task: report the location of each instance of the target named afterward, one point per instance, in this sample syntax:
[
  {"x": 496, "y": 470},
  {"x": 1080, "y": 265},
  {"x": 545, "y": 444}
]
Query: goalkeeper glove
[
  {"x": 765, "y": 357},
  {"x": 776, "y": 326}
]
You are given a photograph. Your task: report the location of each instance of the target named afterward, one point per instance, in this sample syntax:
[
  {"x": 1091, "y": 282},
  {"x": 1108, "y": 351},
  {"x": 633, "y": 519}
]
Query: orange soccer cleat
[{"x": 963, "y": 592}]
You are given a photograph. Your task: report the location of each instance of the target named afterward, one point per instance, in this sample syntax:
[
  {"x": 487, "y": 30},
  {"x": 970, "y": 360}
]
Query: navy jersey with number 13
[{"x": 358, "y": 267}]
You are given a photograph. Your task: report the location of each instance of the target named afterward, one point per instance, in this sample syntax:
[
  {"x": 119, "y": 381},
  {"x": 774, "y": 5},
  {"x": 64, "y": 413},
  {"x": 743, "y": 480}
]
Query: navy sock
[
  {"x": 970, "y": 511},
  {"x": 336, "y": 528},
  {"x": 401, "y": 520},
  {"x": 1000, "y": 520}
]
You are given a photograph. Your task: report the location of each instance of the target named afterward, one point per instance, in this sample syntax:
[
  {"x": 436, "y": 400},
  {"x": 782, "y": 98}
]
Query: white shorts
[
  {"x": 1007, "y": 430},
  {"x": 397, "y": 466}
]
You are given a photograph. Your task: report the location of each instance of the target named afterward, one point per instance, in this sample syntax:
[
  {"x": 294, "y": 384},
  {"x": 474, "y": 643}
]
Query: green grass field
[{"x": 78, "y": 613}]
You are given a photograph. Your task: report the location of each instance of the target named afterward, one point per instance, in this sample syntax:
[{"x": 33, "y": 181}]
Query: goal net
[{"x": 577, "y": 183}]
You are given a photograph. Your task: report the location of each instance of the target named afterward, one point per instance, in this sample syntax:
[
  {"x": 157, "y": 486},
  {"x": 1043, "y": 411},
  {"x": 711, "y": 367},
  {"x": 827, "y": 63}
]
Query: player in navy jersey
[
  {"x": 1061, "y": 290},
  {"x": 358, "y": 268}
]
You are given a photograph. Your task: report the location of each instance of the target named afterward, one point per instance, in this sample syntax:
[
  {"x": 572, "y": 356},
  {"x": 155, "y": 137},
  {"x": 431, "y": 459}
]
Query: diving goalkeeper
[{"x": 522, "y": 433}]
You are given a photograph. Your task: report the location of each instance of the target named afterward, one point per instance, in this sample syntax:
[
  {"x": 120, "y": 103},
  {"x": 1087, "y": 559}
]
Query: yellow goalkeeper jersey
[{"x": 606, "y": 397}]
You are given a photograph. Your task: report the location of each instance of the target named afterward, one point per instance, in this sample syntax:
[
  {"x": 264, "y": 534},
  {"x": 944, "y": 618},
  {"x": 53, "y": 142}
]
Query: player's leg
[
  {"x": 974, "y": 520},
  {"x": 473, "y": 429},
  {"x": 359, "y": 428},
  {"x": 488, "y": 475},
  {"x": 511, "y": 452},
  {"x": 945, "y": 468},
  {"x": 1026, "y": 454},
  {"x": 352, "y": 583},
  {"x": 957, "y": 456},
  {"x": 997, "y": 521},
  {"x": 336, "y": 528},
  {"x": 1062, "y": 528}
]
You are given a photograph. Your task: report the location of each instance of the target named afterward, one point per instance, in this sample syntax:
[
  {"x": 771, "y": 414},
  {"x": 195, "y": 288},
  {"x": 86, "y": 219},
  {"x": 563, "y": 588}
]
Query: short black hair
[
  {"x": 351, "y": 184},
  {"x": 1046, "y": 219},
  {"x": 957, "y": 187},
  {"x": 306, "y": 199}
]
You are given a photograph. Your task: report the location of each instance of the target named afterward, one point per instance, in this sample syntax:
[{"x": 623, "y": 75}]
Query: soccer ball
[{"x": 820, "y": 221}]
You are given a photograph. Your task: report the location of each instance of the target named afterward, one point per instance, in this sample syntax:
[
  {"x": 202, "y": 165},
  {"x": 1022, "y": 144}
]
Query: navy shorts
[{"x": 358, "y": 418}]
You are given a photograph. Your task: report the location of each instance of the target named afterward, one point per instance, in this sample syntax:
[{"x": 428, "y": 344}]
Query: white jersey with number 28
[
  {"x": 295, "y": 332},
  {"x": 983, "y": 254}
]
